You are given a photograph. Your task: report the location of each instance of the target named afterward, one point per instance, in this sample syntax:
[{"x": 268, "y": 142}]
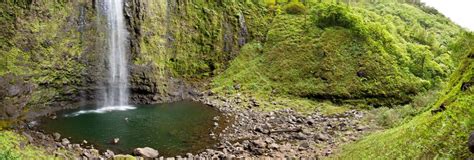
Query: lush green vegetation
[
  {"x": 404, "y": 59},
  {"x": 295, "y": 7},
  {"x": 382, "y": 54},
  {"x": 365, "y": 53},
  {"x": 15, "y": 146},
  {"x": 429, "y": 135}
]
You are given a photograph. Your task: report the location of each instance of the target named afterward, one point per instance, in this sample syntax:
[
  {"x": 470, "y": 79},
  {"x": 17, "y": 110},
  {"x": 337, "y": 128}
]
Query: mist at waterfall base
[{"x": 173, "y": 129}]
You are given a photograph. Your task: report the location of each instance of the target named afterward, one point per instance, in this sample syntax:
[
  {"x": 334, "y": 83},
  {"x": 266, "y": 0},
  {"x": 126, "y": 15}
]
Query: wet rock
[
  {"x": 76, "y": 146},
  {"x": 189, "y": 155},
  {"x": 109, "y": 154},
  {"x": 146, "y": 152},
  {"x": 57, "y": 144},
  {"x": 115, "y": 140},
  {"x": 65, "y": 142},
  {"x": 91, "y": 153},
  {"x": 56, "y": 136}
]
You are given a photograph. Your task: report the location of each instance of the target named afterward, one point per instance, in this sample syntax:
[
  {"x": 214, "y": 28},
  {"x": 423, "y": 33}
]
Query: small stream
[{"x": 173, "y": 129}]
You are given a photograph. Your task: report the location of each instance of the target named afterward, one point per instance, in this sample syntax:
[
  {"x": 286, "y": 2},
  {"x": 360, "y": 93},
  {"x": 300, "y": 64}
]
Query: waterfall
[{"x": 116, "y": 93}]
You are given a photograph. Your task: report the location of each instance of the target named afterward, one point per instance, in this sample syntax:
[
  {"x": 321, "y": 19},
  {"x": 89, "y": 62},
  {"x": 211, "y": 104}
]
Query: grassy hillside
[
  {"x": 438, "y": 135},
  {"x": 379, "y": 54}
]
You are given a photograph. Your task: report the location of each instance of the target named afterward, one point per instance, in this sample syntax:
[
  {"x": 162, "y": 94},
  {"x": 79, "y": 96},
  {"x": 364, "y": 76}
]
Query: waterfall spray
[{"x": 116, "y": 93}]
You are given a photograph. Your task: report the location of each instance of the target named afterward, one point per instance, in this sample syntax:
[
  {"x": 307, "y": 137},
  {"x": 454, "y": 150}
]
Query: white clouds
[{"x": 459, "y": 11}]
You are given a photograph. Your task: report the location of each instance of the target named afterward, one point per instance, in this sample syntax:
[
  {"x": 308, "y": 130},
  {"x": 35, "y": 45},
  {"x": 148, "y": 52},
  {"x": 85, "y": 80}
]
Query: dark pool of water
[{"x": 172, "y": 129}]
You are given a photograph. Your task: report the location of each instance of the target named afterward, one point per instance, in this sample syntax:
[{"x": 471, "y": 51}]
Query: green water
[{"x": 172, "y": 129}]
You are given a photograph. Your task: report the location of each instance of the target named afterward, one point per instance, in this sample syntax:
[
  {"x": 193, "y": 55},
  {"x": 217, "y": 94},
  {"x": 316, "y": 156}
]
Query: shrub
[
  {"x": 8, "y": 154},
  {"x": 295, "y": 8},
  {"x": 330, "y": 15}
]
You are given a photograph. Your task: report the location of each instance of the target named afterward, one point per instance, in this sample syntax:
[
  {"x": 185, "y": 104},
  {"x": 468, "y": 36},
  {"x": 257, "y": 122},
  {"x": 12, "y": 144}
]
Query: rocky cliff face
[
  {"x": 14, "y": 95},
  {"x": 51, "y": 46},
  {"x": 178, "y": 43},
  {"x": 57, "y": 48}
]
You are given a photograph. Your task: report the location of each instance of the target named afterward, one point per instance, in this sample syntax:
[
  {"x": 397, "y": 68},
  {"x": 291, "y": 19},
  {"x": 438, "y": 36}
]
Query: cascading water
[{"x": 116, "y": 93}]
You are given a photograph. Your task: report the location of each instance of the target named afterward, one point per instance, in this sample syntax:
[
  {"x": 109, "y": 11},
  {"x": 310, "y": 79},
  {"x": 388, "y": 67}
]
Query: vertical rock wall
[
  {"x": 179, "y": 45},
  {"x": 176, "y": 46},
  {"x": 47, "y": 50}
]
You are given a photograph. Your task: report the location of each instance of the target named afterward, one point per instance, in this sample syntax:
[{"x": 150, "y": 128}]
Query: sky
[{"x": 459, "y": 11}]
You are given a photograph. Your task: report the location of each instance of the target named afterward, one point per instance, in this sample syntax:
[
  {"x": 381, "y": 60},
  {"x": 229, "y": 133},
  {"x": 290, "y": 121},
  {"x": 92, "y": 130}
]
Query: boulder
[
  {"x": 259, "y": 143},
  {"x": 56, "y": 136},
  {"x": 91, "y": 153},
  {"x": 109, "y": 154},
  {"x": 65, "y": 142},
  {"x": 361, "y": 128},
  {"x": 115, "y": 140},
  {"x": 257, "y": 146},
  {"x": 146, "y": 152},
  {"x": 274, "y": 146},
  {"x": 322, "y": 137},
  {"x": 300, "y": 136},
  {"x": 304, "y": 145},
  {"x": 237, "y": 87}
]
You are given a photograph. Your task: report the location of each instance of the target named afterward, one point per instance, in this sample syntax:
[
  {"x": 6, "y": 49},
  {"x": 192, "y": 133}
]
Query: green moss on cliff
[
  {"x": 45, "y": 43},
  {"x": 197, "y": 40}
]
